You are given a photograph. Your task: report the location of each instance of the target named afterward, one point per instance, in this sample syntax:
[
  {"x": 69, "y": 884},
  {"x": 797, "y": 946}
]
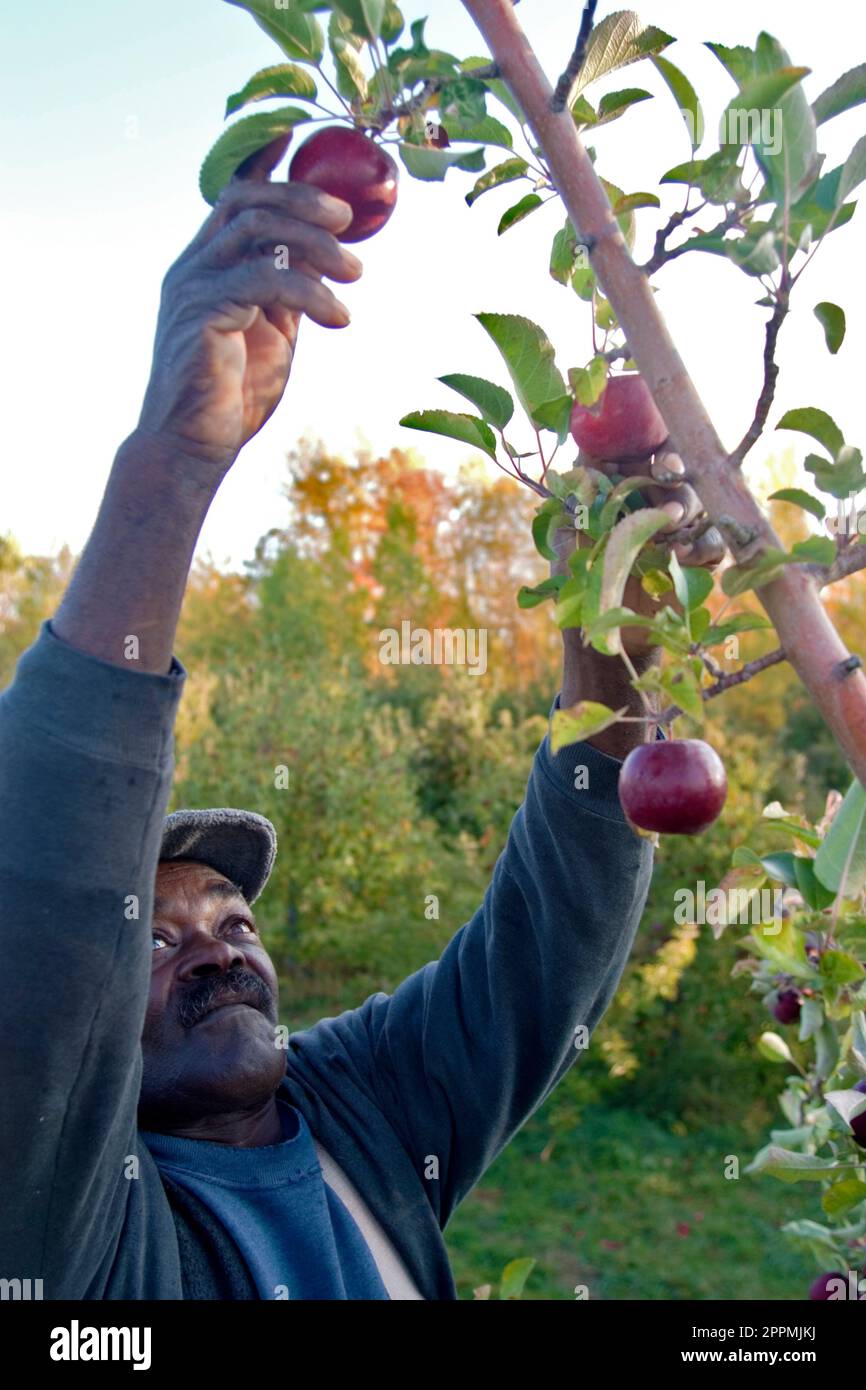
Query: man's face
[{"x": 208, "y": 1041}]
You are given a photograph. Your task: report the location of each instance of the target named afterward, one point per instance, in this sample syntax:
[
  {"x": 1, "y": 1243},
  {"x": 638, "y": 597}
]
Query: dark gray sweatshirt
[{"x": 413, "y": 1094}]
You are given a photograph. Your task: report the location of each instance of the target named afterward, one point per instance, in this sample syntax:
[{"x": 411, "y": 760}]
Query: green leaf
[
  {"x": 616, "y": 41},
  {"x": 488, "y": 131},
  {"x": 282, "y": 80},
  {"x": 616, "y": 501},
  {"x": 298, "y": 34},
  {"x": 366, "y": 16},
  {"x": 847, "y": 91},
  {"x": 785, "y": 950},
  {"x": 849, "y": 1104},
  {"x": 588, "y": 383},
  {"x": 496, "y": 87},
  {"x": 756, "y": 255},
  {"x": 493, "y": 401},
  {"x": 629, "y": 201},
  {"x": 681, "y": 684},
  {"x": 467, "y": 428},
  {"x": 700, "y": 622},
  {"x": 623, "y": 546},
  {"x": 790, "y": 1166},
  {"x": 580, "y": 722},
  {"x": 739, "y": 61},
  {"x": 515, "y": 214},
  {"x": 853, "y": 170},
  {"x": 817, "y": 550},
  {"x": 514, "y": 1277},
  {"x": 755, "y": 573},
  {"x": 529, "y": 357},
  {"x": 858, "y": 1040},
  {"x": 686, "y": 98},
  {"x": 780, "y": 865},
  {"x": 431, "y": 165},
  {"x": 774, "y": 1048},
  {"x": 656, "y": 582},
  {"x": 239, "y": 141},
  {"x": 555, "y": 415},
  {"x": 839, "y": 968},
  {"x": 842, "y": 1196},
  {"x": 841, "y": 478},
  {"x": 814, "y": 892},
  {"x": 346, "y": 52},
  {"x": 624, "y": 218},
  {"x": 832, "y": 320},
  {"x": 548, "y": 588},
  {"x": 846, "y": 836},
  {"x": 817, "y": 423},
  {"x": 787, "y": 156},
  {"x": 548, "y": 518},
  {"x": 691, "y": 583},
  {"x": 717, "y": 177},
  {"x": 463, "y": 102},
  {"x": 506, "y": 172},
  {"x": 563, "y": 252},
  {"x": 393, "y": 22},
  {"x": 738, "y": 622},
  {"x": 615, "y": 104},
  {"x": 799, "y": 498},
  {"x": 583, "y": 283}
]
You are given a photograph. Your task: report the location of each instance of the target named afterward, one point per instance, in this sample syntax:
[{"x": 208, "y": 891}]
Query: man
[{"x": 159, "y": 1136}]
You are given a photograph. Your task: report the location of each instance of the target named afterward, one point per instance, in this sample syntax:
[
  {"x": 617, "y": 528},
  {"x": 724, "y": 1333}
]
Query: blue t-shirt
[{"x": 296, "y": 1236}]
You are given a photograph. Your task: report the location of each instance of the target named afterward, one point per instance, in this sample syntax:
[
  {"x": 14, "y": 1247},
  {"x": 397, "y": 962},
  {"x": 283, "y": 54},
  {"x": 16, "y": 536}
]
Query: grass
[{"x": 631, "y": 1211}]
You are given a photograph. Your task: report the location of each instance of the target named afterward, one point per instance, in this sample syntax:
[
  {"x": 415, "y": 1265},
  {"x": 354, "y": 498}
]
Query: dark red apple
[
  {"x": 787, "y": 1006},
  {"x": 821, "y": 1290},
  {"x": 350, "y": 165},
  {"x": 437, "y": 135},
  {"x": 677, "y": 787},
  {"x": 858, "y": 1124},
  {"x": 623, "y": 424}
]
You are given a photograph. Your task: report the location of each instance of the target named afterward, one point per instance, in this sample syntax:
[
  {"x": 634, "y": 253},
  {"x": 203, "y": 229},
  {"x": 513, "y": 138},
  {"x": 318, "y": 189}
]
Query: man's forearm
[
  {"x": 587, "y": 675},
  {"x": 124, "y": 600}
]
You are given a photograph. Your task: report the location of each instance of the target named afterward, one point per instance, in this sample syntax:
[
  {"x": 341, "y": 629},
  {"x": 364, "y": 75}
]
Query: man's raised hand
[{"x": 230, "y": 309}]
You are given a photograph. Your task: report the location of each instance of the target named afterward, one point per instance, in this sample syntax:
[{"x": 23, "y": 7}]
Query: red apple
[
  {"x": 350, "y": 165},
  {"x": 623, "y": 424},
  {"x": 677, "y": 787},
  {"x": 437, "y": 135},
  {"x": 787, "y": 1006},
  {"x": 825, "y": 1288},
  {"x": 858, "y": 1124}
]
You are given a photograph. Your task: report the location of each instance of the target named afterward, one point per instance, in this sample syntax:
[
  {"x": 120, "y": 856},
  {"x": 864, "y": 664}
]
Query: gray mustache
[{"x": 236, "y": 986}]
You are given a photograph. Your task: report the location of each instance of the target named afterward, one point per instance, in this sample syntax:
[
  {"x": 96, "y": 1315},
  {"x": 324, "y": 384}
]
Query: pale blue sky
[{"x": 109, "y": 108}]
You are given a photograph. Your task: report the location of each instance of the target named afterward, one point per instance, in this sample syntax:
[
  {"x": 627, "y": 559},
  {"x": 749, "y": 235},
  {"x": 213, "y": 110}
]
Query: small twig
[
  {"x": 563, "y": 87},
  {"x": 768, "y": 390},
  {"x": 661, "y": 256},
  {"x": 848, "y": 562},
  {"x": 675, "y": 220}
]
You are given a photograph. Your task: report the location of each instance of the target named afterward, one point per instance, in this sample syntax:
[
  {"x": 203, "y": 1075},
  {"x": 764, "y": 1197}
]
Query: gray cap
[{"x": 238, "y": 844}]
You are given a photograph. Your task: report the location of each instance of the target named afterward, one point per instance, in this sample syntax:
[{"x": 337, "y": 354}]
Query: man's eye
[
  {"x": 247, "y": 927},
  {"x": 158, "y": 941}
]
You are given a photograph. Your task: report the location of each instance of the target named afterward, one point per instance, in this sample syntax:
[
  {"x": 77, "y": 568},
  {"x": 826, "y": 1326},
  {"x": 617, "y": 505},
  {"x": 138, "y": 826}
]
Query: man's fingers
[
  {"x": 259, "y": 283},
  {"x": 261, "y": 230},
  {"x": 707, "y": 551},
  {"x": 292, "y": 200}
]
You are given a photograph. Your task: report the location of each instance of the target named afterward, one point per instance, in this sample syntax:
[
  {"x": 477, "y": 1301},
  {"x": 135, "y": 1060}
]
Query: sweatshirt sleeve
[
  {"x": 468, "y": 1047},
  {"x": 85, "y": 774}
]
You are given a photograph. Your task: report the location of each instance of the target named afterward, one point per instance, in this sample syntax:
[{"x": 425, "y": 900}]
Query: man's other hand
[{"x": 231, "y": 305}]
